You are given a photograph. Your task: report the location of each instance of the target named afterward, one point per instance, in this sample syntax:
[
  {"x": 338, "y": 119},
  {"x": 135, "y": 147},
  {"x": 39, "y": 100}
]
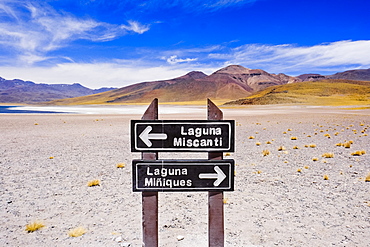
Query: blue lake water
[{"x": 118, "y": 109}]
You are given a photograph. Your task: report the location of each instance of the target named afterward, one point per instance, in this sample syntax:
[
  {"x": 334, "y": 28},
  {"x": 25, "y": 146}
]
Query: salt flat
[{"x": 46, "y": 161}]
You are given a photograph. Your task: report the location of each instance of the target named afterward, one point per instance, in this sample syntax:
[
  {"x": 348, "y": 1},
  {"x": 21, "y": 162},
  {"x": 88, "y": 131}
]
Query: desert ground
[{"x": 280, "y": 198}]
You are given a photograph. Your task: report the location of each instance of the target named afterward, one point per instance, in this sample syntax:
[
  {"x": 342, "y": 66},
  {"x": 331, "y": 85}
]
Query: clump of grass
[
  {"x": 358, "y": 153},
  {"x": 281, "y": 148},
  {"x": 34, "y": 226},
  {"x": 51, "y": 157},
  {"x": 225, "y": 201},
  {"x": 367, "y": 179},
  {"x": 312, "y": 145},
  {"x": 315, "y": 159},
  {"x": 268, "y": 142},
  {"x": 347, "y": 145},
  {"x": 120, "y": 165},
  {"x": 306, "y": 167},
  {"x": 258, "y": 143},
  {"x": 265, "y": 152},
  {"x": 293, "y": 138},
  {"x": 77, "y": 232},
  {"x": 295, "y": 147},
  {"x": 251, "y": 137},
  {"x": 299, "y": 170},
  {"x": 92, "y": 183},
  {"x": 259, "y": 172},
  {"x": 227, "y": 154},
  {"x": 326, "y": 177},
  {"x": 327, "y": 155}
]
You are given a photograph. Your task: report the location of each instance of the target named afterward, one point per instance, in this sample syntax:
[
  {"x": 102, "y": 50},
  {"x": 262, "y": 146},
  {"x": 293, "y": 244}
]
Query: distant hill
[
  {"x": 324, "y": 92},
  {"x": 226, "y": 84},
  {"x": 19, "y": 91}
]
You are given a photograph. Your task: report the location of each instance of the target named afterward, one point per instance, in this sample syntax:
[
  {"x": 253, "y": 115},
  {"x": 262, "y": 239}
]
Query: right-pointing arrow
[{"x": 219, "y": 176}]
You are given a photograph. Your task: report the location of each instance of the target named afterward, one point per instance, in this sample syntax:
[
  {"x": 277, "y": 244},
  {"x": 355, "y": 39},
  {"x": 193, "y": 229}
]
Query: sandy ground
[{"x": 47, "y": 160}]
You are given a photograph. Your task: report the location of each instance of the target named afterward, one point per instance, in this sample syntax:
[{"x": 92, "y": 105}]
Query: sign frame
[
  {"x": 145, "y": 139},
  {"x": 206, "y": 175}
]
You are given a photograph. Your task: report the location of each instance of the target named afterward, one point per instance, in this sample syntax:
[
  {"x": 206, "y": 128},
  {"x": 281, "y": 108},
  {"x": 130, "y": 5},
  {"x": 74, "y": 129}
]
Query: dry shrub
[
  {"x": 281, "y": 148},
  {"x": 312, "y": 145},
  {"x": 92, "y": 183},
  {"x": 293, "y": 138},
  {"x": 328, "y": 155},
  {"x": 295, "y": 147},
  {"x": 326, "y": 177},
  {"x": 265, "y": 152},
  {"x": 34, "y": 226},
  {"x": 258, "y": 143},
  {"x": 358, "y": 153},
  {"x": 77, "y": 232},
  {"x": 251, "y": 137},
  {"x": 299, "y": 170},
  {"x": 315, "y": 159},
  {"x": 367, "y": 179},
  {"x": 120, "y": 165}
]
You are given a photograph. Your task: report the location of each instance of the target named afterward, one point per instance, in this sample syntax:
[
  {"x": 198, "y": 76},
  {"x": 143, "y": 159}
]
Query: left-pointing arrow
[
  {"x": 219, "y": 176},
  {"x": 146, "y": 136}
]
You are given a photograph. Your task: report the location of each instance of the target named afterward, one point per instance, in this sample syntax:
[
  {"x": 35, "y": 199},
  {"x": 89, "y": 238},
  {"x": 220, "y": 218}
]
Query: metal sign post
[{"x": 150, "y": 175}]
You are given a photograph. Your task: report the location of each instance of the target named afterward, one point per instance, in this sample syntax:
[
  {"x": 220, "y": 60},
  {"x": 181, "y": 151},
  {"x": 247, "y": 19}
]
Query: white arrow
[
  {"x": 219, "y": 176},
  {"x": 145, "y": 136}
]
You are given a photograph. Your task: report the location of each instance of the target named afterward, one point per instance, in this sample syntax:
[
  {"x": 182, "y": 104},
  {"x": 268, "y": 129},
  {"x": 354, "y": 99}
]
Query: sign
[
  {"x": 183, "y": 175},
  {"x": 182, "y": 136}
]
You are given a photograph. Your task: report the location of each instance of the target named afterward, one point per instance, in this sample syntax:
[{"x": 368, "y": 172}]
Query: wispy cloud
[
  {"x": 174, "y": 60},
  {"x": 33, "y": 29},
  {"x": 296, "y": 59}
]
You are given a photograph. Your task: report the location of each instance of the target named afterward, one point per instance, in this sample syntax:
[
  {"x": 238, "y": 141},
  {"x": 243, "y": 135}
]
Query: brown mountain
[
  {"x": 356, "y": 75},
  {"x": 226, "y": 84}
]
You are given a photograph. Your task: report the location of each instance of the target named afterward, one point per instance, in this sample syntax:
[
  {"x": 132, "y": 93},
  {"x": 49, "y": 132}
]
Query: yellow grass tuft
[
  {"x": 251, "y": 137},
  {"x": 327, "y": 155},
  {"x": 347, "y": 145},
  {"x": 367, "y": 179},
  {"x": 120, "y": 165},
  {"x": 92, "y": 183},
  {"x": 281, "y": 148},
  {"x": 34, "y": 226},
  {"x": 326, "y": 177},
  {"x": 259, "y": 172},
  {"x": 51, "y": 157},
  {"x": 268, "y": 142},
  {"x": 225, "y": 201},
  {"x": 295, "y": 147},
  {"x": 315, "y": 159},
  {"x": 293, "y": 138},
  {"x": 312, "y": 145},
  {"x": 258, "y": 143},
  {"x": 299, "y": 170},
  {"x": 77, "y": 232},
  {"x": 265, "y": 152},
  {"x": 227, "y": 154},
  {"x": 306, "y": 167},
  {"x": 358, "y": 153}
]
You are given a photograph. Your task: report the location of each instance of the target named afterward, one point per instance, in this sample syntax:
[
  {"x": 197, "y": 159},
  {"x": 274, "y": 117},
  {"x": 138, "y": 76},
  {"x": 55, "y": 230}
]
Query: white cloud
[
  {"x": 34, "y": 30},
  {"x": 174, "y": 60},
  {"x": 96, "y": 75},
  {"x": 289, "y": 58}
]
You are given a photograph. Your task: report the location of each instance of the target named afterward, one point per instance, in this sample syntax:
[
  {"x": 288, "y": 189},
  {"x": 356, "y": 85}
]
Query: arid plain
[{"x": 299, "y": 180}]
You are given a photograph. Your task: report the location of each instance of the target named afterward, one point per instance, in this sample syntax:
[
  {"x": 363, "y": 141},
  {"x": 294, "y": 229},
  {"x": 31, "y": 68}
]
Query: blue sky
[{"x": 103, "y": 43}]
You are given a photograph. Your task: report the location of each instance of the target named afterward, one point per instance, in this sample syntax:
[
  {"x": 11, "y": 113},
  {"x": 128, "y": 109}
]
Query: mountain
[
  {"x": 324, "y": 92},
  {"x": 19, "y": 91},
  {"x": 355, "y": 75},
  {"x": 226, "y": 84}
]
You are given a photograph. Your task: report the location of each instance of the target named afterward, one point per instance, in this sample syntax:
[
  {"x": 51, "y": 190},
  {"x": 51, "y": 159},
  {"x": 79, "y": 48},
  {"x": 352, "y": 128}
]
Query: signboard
[
  {"x": 182, "y": 136},
  {"x": 183, "y": 175}
]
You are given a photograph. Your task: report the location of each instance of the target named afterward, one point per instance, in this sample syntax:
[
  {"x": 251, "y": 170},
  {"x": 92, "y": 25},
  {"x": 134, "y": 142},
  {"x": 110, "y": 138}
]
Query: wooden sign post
[{"x": 151, "y": 175}]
